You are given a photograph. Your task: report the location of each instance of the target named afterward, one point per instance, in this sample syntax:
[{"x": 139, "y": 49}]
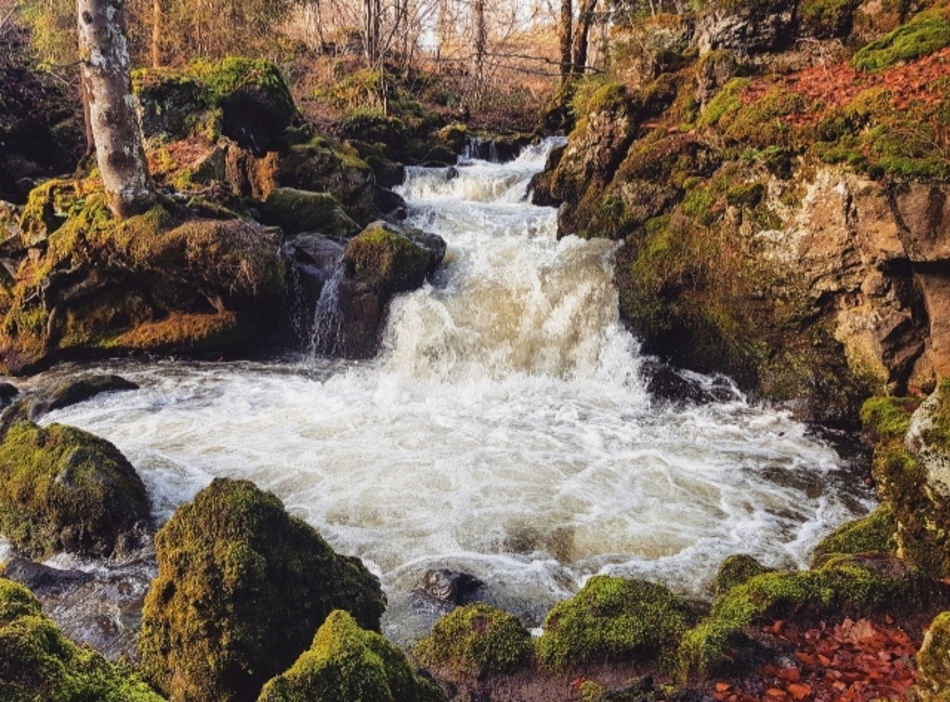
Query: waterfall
[
  {"x": 505, "y": 430},
  {"x": 328, "y": 317}
]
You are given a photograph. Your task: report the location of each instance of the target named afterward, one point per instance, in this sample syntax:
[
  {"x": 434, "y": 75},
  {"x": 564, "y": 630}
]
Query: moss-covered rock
[
  {"x": 38, "y": 663},
  {"x": 390, "y": 257},
  {"x": 242, "y": 586},
  {"x": 297, "y": 211},
  {"x": 845, "y": 587},
  {"x": 613, "y": 619},
  {"x": 97, "y": 282},
  {"x": 476, "y": 640},
  {"x": 63, "y": 489},
  {"x": 871, "y": 534},
  {"x": 910, "y": 467},
  {"x": 933, "y": 660},
  {"x": 347, "y": 663},
  {"x": 736, "y": 570},
  {"x": 925, "y": 33}
]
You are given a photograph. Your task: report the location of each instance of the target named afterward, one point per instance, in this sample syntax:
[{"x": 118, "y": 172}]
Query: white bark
[{"x": 104, "y": 53}]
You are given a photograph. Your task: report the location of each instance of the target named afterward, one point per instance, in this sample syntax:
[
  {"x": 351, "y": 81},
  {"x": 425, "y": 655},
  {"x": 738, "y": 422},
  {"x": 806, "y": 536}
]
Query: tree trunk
[
  {"x": 156, "y": 33},
  {"x": 104, "y": 54},
  {"x": 582, "y": 37},
  {"x": 564, "y": 32},
  {"x": 481, "y": 44}
]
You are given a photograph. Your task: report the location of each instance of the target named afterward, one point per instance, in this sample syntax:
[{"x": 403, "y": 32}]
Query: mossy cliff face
[
  {"x": 161, "y": 281},
  {"x": 63, "y": 489},
  {"x": 241, "y": 589},
  {"x": 347, "y": 663},
  {"x": 910, "y": 466},
  {"x": 794, "y": 242},
  {"x": 38, "y": 663}
]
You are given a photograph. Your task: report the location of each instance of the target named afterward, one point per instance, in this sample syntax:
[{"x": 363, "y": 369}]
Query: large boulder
[
  {"x": 241, "y": 589},
  {"x": 63, "y": 489},
  {"x": 38, "y": 663},
  {"x": 348, "y": 663},
  {"x": 380, "y": 262},
  {"x": 296, "y": 211},
  {"x": 166, "y": 280},
  {"x": 747, "y": 27}
]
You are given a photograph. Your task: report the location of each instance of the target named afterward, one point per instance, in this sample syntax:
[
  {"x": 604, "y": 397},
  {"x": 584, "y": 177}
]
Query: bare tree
[{"x": 104, "y": 54}]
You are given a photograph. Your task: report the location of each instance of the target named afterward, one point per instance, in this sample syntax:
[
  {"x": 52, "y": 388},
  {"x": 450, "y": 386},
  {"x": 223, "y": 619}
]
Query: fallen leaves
[{"x": 854, "y": 661}]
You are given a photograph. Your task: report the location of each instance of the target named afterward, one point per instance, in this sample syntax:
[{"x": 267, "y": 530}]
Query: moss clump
[
  {"x": 873, "y": 533},
  {"x": 925, "y": 33},
  {"x": 38, "y": 663},
  {"x": 297, "y": 211},
  {"x": 887, "y": 418},
  {"x": 933, "y": 659},
  {"x": 828, "y": 18},
  {"x": 241, "y": 588},
  {"x": 387, "y": 257},
  {"x": 63, "y": 489},
  {"x": 476, "y": 640},
  {"x": 726, "y": 101},
  {"x": 613, "y": 619},
  {"x": 222, "y": 79},
  {"x": 839, "y": 588},
  {"x": 347, "y": 663},
  {"x": 736, "y": 570},
  {"x": 372, "y": 126}
]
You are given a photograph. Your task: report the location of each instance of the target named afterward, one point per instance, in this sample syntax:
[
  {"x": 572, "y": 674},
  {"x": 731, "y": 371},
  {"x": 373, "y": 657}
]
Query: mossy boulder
[
  {"x": 63, "y": 489},
  {"x": 613, "y": 619},
  {"x": 850, "y": 586},
  {"x": 347, "y": 663},
  {"x": 910, "y": 466},
  {"x": 871, "y": 534},
  {"x": 392, "y": 258},
  {"x": 246, "y": 100},
  {"x": 925, "y": 33},
  {"x": 476, "y": 640},
  {"x": 933, "y": 660},
  {"x": 241, "y": 589},
  {"x": 297, "y": 211},
  {"x": 38, "y": 663},
  {"x": 166, "y": 280}
]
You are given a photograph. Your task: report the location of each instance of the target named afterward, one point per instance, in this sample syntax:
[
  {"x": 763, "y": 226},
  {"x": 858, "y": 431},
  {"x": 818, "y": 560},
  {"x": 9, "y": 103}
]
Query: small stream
[{"x": 505, "y": 430}]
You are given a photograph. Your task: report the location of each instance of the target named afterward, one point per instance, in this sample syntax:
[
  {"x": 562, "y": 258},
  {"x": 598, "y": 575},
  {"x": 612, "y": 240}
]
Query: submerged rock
[
  {"x": 63, "y": 489},
  {"x": 38, "y": 663},
  {"x": 347, "y": 663},
  {"x": 242, "y": 586}
]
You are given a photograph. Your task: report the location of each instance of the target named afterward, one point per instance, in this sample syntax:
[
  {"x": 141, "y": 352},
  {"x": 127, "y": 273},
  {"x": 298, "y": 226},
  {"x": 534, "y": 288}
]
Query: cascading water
[{"x": 504, "y": 431}]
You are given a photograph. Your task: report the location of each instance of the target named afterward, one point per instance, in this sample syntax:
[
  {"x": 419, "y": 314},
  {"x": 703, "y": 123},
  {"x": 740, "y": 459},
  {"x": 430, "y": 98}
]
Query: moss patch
[
  {"x": 63, "y": 489},
  {"x": 476, "y": 640},
  {"x": 737, "y": 570},
  {"x": 873, "y": 533},
  {"x": 386, "y": 256},
  {"x": 933, "y": 659},
  {"x": 241, "y": 588},
  {"x": 347, "y": 663},
  {"x": 925, "y": 33},
  {"x": 297, "y": 211},
  {"x": 613, "y": 619},
  {"x": 38, "y": 663}
]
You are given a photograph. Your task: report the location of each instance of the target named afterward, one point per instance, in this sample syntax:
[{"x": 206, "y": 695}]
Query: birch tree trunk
[{"x": 104, "y": 55}]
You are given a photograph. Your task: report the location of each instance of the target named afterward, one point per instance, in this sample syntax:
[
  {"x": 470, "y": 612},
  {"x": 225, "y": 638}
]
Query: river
[{"x": 505, "y": 430}]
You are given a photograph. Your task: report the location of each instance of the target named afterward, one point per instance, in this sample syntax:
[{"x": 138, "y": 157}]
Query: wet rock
[
  {"x": 450, "y": 586},
  {"x": 42, "y": 578},
  {"x": 242, "y": 586},
  {"x": 667, "y": 383}
]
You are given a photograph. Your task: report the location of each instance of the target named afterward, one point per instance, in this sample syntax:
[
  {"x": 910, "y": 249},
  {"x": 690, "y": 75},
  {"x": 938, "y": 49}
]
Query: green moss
[
  {"x": 736, "y": 570},
  {"x": 297, "y": 211},
  {"x": 933, "y": 659},
  {"x": 476, "y": 640},
  {"x": 347, "y": 663},
  {"x": 385, "y": 255},
  {"x": 873, "y": 533},
  {"x": 925, "y": 33},
  {"x": 64, "y": 489},
  {"x": 888, "y": 417},
  {"x": 223, "y": 78},
  {"x": 839, "y": 589},
  {"x": 38, "y": 663},
  {"x": 613, "y": 619},
  {"x": 241, "y": 588},
  {"x": 727, "y": 101},
  {"x": 828, "y": 18}
]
